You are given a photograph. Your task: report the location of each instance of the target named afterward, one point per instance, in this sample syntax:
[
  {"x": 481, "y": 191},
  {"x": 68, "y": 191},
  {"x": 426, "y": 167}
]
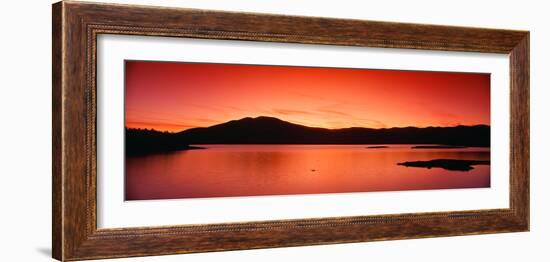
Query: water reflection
[{"x": 252, "y": 170}]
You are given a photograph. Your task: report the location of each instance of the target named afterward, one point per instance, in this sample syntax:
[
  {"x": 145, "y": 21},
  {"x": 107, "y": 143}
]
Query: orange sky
[{"x": 177, "y": 96}]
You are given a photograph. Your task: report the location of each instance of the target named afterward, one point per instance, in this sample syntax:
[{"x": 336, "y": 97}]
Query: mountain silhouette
[{"x": 270, "y": 130}]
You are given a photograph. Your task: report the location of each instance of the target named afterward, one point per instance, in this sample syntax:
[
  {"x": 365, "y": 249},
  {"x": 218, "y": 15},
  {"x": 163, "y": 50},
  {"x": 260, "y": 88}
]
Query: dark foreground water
[{"x": 253, "y": 170}]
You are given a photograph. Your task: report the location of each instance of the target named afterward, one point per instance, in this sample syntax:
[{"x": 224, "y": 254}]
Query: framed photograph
[{"x": 182, "y": 130}]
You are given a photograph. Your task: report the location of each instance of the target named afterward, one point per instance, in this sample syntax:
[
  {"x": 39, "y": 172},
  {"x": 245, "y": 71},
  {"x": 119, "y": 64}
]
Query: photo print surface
[{"x": 200, "y": 130}]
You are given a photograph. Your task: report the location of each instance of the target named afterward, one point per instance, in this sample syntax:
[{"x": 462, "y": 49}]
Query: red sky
[{"x": 176, "y": 96}]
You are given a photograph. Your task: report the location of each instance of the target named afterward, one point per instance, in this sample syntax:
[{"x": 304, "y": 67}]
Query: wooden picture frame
[{"x": 76, "y": 26}]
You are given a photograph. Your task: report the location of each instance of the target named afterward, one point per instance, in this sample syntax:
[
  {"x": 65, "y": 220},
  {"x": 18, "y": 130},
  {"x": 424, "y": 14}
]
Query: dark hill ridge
[{"x": 270, "y": 130}]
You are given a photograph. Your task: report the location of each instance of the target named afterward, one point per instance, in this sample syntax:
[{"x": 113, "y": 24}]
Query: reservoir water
[{"x": 255, "y": 170}]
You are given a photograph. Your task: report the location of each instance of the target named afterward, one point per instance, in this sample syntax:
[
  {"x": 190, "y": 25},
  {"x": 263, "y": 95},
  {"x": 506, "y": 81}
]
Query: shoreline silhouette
[{"x": 270, "y": 130}]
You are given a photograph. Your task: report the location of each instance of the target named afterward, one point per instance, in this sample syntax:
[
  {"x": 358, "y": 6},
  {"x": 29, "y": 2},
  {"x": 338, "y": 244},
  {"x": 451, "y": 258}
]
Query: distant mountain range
[{"x": 270, "y": 130}]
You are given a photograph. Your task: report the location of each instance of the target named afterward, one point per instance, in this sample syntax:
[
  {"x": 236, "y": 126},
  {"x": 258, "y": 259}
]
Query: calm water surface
[{"x": 253, "y": 170}]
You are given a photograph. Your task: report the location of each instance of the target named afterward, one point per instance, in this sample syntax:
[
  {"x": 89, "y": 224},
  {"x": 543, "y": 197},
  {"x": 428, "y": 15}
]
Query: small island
[
  {"x": 438, "y": 147},
  {"x": 374, "y": 147},
  {"x": 447, "y": 164}
]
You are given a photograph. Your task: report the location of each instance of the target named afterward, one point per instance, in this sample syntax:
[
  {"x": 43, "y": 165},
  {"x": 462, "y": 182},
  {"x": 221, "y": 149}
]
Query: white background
[
  {"x": 25, "y": 60},
  {"x": 114, "y": 212}
]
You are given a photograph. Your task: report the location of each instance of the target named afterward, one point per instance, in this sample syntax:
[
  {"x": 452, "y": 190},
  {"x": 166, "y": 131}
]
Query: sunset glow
[{"x": 173, "y": 97}]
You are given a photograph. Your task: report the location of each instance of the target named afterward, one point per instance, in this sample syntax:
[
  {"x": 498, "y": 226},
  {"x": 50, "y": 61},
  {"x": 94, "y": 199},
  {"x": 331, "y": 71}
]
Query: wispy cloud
[
  {"x": 333, "y": 112},
  {"x": 291, "y": 112}
]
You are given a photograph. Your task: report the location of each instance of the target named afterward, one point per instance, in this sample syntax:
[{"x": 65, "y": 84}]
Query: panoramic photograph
[{"x": 202, "y": 130}]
